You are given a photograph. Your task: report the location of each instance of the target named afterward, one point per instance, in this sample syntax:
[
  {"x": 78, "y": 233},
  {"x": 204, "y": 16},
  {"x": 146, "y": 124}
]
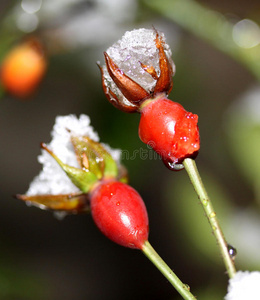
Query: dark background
[{"x": 45, "y": 258}]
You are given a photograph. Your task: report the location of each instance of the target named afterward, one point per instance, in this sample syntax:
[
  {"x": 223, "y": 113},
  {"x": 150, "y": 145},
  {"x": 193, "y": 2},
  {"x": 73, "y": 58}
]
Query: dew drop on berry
[
  {"x": 172, "y": 166},
  {"x": 232, "y": 251}
]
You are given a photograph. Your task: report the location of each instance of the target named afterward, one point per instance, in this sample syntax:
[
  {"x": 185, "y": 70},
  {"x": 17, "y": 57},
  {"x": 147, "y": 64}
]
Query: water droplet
[
  {"x": 232, "y": 251},
  {"x": 118, "y": 203},
  {"x": 172, "y": 166}
]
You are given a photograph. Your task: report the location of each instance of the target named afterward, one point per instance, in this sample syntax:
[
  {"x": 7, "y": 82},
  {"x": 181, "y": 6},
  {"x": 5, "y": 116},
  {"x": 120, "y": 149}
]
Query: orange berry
[{"x": 23, "y": 68}]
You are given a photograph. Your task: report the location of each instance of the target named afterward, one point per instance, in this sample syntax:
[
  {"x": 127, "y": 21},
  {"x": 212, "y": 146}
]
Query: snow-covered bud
[
  {"x": 72, "y": 163},
  {"x": 138, "y": 67}
]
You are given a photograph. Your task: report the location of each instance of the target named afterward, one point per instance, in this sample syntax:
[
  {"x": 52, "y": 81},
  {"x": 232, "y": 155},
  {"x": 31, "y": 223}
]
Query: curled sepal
[
  {"x": 164, "y": 82},
  {"x": 113, "y": 99},
  {"x": 83, "y": 179},
  {"x": 150, "y": 70},
  {"x": 72, "y": 203},
  {"x": 94, "y": 157},
  {"x": 133, "y": 92}
]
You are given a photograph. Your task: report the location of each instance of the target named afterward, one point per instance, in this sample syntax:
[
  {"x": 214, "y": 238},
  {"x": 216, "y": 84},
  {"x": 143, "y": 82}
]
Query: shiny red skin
[
  {"x": 170, "y": 130},
  {"x": 120, "y": 214}
]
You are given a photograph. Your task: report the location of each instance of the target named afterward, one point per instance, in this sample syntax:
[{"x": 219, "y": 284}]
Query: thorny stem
[
  {"x": 153, "y": 256},
  {"x": 195, "y": 178}
]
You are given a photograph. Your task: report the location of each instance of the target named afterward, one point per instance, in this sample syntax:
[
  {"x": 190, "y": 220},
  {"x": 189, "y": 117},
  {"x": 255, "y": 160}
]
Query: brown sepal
[
  {"x": 149, "y": 70},
  {"x": 133, "y": 92},
  {"x": 113, "y": 99},
  {"x": 164, "y": 82},
  {"x": 71, "y": 203}
]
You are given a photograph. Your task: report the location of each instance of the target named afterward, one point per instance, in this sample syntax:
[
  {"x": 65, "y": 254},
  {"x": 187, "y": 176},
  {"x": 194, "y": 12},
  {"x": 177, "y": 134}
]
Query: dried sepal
[
  {"x": 164, "y": 82},
  {"x": 112, "y": 97},
  {"x": 150, "y": 70},
  {"x": 73, "y": 203},
  {"x": 133, "y": 92}
]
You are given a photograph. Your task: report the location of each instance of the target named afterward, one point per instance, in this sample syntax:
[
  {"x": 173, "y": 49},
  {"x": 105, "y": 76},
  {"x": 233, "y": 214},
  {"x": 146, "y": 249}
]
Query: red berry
[
  {"x": 170, "y": 130},
  {"x": 120, "y": 214}
]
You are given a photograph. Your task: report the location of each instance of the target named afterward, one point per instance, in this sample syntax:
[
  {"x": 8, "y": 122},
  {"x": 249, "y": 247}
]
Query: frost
[
  {"x": 244, "y": 286},
  {"x": 136, "y": 46},
  {"x": 52, "y": 179}
]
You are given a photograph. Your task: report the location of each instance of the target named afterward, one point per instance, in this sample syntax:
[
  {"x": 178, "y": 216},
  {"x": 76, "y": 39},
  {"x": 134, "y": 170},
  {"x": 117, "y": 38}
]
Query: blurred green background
[{"x": 216, "y": 49}]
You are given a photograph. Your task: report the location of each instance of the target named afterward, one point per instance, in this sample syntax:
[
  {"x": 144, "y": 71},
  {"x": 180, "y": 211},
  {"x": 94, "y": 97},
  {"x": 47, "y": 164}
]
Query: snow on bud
[
  {"x": 72, "y": 163},
  {"x": 52, "y": 179},
  {"x": 138, "y": 46}
]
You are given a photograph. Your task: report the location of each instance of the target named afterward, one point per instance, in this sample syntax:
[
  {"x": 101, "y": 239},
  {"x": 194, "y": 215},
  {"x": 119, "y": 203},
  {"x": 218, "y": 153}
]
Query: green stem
[
  {"x": 153, "y": 256},
  {"x": 195, "y": 178}
]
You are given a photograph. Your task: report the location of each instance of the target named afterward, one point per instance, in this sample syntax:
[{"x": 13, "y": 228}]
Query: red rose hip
[
  {"x": 120, "y": 214},
  {"x": 170, "y": 130}
]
